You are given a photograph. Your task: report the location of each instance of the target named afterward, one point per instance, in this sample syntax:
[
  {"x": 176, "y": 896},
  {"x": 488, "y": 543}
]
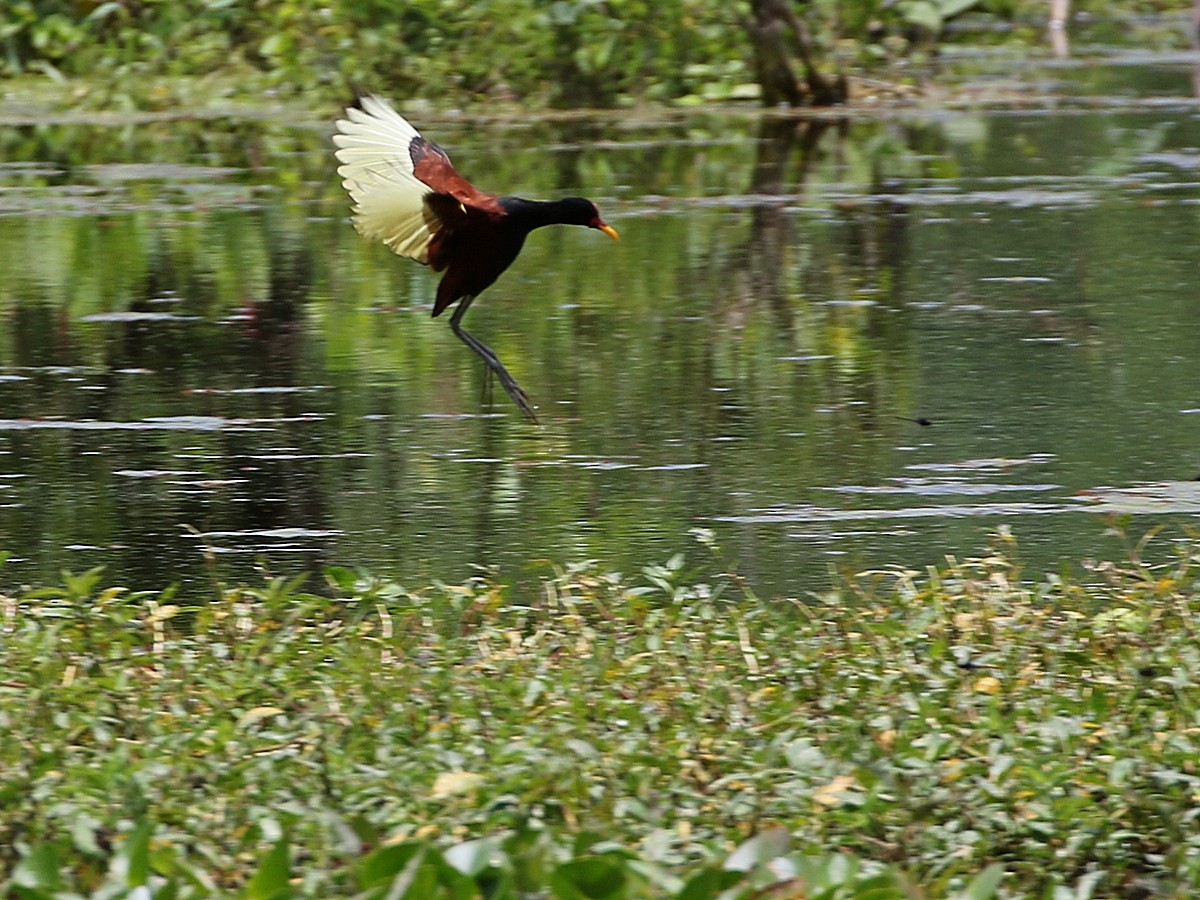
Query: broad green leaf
[
  {"x": 39, "y": 869},
  {"x": 103, "y": 11},
  {"x": 879, "y": 887},
  {"x": 951, "y": 8},
  {"x": 273, "y": 45},
  {"x": 1086, "y": 885},
  {"x": 342, "y": 578},
  {"x": 271, "y": 879},
  {"x": 923, "y": 14},
  {"x": 80, "y": 586},
  {"x": 585, "y": 842},
  {"x": 132, "y": 861},
  {"x": 454, "y": 884},
  {"x": 165, "y": 859},
  {"x": 593, "y": 877},
  {"x": 417, "y": 881},
  {"x": 83, "y": 835},
  {"x": 708, "y": 883},
  {"x": 983, "y": 886},
  {"x": 385, "y": 863},
  {"x": 759, "y": 850},
  {"x": 472, "y": 857}
]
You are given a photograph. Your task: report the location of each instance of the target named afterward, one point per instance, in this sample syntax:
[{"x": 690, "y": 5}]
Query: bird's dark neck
[{"x": 526, "y": 215}]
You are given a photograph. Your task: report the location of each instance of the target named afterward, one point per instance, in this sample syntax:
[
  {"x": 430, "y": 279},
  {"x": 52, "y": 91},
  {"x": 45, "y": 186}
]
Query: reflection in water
[
  {"x": 240, "y": 376},
  {"x": 133, "y": 428},
  {"x": 767, "y": 253},
  {"x": 1060, "y": 42}
]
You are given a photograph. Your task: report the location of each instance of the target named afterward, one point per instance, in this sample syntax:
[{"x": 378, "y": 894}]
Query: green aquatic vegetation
[{"x": 968, "y": 731}]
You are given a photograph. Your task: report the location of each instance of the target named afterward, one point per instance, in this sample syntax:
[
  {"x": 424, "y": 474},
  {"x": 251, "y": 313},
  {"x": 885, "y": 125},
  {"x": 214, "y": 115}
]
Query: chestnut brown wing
[
  {"x": 467, "y": 217},
  {"x": 432, "y": 166}
]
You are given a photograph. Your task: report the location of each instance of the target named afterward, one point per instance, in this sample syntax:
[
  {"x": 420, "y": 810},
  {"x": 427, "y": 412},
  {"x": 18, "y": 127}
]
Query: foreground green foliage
[{"x": 958, "y": 733}]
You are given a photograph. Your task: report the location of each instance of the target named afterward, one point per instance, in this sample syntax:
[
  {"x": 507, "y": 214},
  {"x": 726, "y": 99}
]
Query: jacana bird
[{"x": 407, "y": 194}]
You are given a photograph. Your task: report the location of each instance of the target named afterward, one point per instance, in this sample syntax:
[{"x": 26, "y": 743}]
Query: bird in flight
[{"x": 408, "y": 195}]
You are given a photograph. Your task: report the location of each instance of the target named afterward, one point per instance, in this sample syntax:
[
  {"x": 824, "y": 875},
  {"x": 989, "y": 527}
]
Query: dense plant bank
[
  {"x": 567, "y": 52},
  {"x": 901, "y": 734}
]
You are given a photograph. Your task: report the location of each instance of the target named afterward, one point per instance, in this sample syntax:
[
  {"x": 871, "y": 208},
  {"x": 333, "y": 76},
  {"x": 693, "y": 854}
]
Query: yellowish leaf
[
  {"x": 954, "y": 770},
  {"x": 251, "y": 716},
  {"x": 829, "y": 795},
  {"x": 988, "y": 684},
  {"x": 453, "y": 784}
]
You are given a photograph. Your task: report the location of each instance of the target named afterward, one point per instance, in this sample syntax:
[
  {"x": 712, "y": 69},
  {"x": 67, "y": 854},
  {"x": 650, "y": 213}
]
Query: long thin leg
[{"x": 491, "y": 360}]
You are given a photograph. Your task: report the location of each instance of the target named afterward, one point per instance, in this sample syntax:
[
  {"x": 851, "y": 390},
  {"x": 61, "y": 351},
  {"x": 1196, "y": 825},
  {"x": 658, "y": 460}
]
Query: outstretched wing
[{"x": 405, "y": 190}]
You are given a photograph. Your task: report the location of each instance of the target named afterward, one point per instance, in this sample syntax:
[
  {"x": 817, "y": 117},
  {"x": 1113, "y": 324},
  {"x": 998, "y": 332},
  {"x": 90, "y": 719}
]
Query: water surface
[{"x": 845, "y": 344}]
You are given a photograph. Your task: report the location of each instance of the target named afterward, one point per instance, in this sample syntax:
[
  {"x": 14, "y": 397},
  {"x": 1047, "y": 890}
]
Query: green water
[{"x": 205, "y": 372}]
